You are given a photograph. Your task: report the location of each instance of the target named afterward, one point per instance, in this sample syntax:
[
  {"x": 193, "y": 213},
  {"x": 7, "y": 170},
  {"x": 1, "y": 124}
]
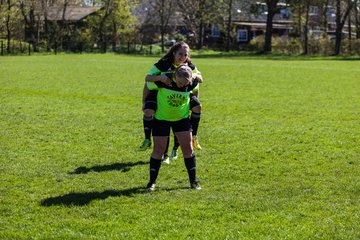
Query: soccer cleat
[
  {"x": 174, "y": 154},
  {"x": 150, "y": 186},
  {"x": 145, "y": 145},
  {"x": 195, "y": 185},
  {"x": 166, "y": 159},
  {"x": 196, "y": 143}
]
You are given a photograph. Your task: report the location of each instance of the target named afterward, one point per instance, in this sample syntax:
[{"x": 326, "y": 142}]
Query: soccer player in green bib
[
  {"x": 177, "y": 55},
  {"x": 173, "y": 106}
]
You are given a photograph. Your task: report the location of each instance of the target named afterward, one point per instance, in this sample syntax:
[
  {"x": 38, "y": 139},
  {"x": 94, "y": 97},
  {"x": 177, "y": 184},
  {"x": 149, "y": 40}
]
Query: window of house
[
  {"x": 313, "y": 10},
  {"x": 242, "y": 35},
  {"x": 285, "y": 13},
  {"x": 258, "y": 8},
  {"x": 215, "y": 31},
  {"x": 331, "y": 12}
]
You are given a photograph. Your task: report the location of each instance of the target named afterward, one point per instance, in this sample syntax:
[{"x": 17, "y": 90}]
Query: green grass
[{"x": 280, "y": 158}]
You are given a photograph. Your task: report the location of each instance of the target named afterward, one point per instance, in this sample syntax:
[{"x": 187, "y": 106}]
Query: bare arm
[
  {"x": 198, "y": 77},
  {"x": 154, "y": 78}
]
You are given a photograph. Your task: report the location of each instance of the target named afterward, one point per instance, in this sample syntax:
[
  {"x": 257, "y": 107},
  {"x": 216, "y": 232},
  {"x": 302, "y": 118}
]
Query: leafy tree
[
  {"x": 9, "y": 13},
  {"x": 111, "y": 22},
  {"x": 343, "y": 8},
  {"x": 123, "y": 23},
  {"x": 165, "y": 10},
  {"x": 27, "y": 8},
  {"x": 198, "y": 13},
  {"x": 228, "y": 25},
  {"x": 271, "y": 8},
  {"x": 158, "y": 13}
]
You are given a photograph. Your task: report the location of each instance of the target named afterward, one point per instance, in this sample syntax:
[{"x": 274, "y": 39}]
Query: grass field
[{"x": 280, "y": 158}]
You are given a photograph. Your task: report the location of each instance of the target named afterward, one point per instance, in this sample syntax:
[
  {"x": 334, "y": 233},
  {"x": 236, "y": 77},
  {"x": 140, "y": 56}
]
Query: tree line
[{"x": 45, "y": 24}]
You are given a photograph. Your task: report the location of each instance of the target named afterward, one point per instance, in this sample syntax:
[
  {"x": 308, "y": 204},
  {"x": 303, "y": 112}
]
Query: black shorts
[
  {"x": 161, "y": 128},
  {"x": 151, "y": 101}
]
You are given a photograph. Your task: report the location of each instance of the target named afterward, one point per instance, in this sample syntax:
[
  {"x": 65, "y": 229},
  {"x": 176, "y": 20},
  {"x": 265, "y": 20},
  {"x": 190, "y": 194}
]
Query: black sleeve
[
  {"x": 160, "y": 84},
  {"x": 192, "y": 66},
  {"x": 193, "y": 85},
  {"x": 162, "y": 65}
]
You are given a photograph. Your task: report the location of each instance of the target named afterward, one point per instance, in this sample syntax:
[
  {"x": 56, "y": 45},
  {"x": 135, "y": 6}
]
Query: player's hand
[
  {"x": 165, "y": 79},
  {"x": 199, "y": 79}
]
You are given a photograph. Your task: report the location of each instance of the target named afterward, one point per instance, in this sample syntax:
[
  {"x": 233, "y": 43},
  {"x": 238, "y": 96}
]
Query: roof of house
[{"x": 71, "y": 13}]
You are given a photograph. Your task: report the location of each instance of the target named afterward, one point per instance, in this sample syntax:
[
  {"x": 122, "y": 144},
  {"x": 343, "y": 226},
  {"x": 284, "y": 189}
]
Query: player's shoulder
[
  {"x": 191, "y": 65},
  {"x": 163, "y": 65}
]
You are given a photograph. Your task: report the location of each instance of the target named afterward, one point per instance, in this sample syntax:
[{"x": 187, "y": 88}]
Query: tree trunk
[
  {"x": 349, "y": 30},
  {"x": 229, "y": 27},
  {"x": 357, "y": 23},
  {"x": 271, "y": 5},
  {"x": 114, "y": 41},
  {"x": 201, "y": 25},
  {"x": 201, "y": 35},
  {"x": 8, "y": 29},
  {"x": 306, "y": 45},
  {"x": 29, "y": 20},
  {"x": 325, "y": 21},
  {"x": 102, "y": 37},
  {"x": 340, "y": 21}
]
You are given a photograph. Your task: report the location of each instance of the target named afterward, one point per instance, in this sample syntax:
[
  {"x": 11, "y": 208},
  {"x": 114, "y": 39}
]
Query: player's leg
[
  {"x": 183, "y": 133},
  {"x": 174, "y": 151},
  {"x": 166, "y": 158},
  {"x": 149, "y": 108},
  {"x": 195, "y": 117},
  {"x": 161, "y": 131}
]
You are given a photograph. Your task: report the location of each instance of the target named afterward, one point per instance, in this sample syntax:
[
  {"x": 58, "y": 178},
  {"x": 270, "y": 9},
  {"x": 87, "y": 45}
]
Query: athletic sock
[
  {"x": 190, "y": 164},
  {"x": 147, "y": 123},
  {"x": 155, "y": 165},
  {"x": 195, "y": 119}
]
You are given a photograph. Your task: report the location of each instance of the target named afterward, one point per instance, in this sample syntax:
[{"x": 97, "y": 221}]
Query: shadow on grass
[
  {"x": 123, "y": 167},
  {"x": 82, "y": 199}
]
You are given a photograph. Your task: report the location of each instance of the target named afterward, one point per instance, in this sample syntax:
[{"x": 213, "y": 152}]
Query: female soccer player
[
  {"x": 178, "y": 54},
  {"x": 173, "y": 105}
]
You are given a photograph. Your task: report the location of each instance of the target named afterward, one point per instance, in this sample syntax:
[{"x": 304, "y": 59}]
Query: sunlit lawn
[{"x": 280, "y": 158}]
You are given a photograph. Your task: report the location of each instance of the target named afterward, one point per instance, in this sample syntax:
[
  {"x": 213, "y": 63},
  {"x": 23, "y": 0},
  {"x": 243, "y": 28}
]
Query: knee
[
  {"x": 196, "y": 109},
  {"x": 148, "y": 112},
  {"x": 158, "y": 152},
  {"x": 188, "y": 154},
  {"x": 187, "y": 151}
]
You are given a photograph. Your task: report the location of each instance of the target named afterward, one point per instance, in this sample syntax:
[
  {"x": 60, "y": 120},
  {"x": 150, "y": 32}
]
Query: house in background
[
  {"x": 63, "y": 26},
  {"x": 249, "y": 21}
]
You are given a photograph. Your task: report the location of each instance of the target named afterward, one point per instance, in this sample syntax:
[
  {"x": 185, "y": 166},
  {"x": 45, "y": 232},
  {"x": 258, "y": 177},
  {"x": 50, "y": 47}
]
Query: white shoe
[{"x": 166, "y": 160}]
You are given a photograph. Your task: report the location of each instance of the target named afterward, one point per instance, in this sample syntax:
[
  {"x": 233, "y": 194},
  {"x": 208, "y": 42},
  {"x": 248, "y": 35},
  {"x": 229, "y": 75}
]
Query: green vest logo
[{"x": 176, "y": 100}]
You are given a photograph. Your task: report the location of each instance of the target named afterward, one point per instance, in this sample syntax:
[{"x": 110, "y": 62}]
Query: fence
[{"x": 26, "y": 48}]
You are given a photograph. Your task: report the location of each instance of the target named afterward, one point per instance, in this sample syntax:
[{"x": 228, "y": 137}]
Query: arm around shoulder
[
  {"x": 155, "y": 78},
  {"x": 198, "y": 77}
]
